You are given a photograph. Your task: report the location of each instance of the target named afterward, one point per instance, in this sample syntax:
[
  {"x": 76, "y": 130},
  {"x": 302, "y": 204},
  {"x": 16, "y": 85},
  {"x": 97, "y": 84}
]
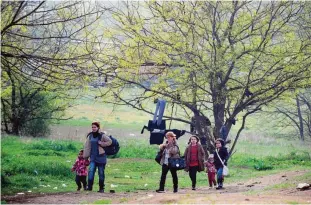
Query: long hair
[{"x": 198, "y": 139}]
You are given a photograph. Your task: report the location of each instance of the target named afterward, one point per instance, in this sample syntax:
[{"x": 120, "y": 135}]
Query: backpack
[{"x": 114, "y": 148}]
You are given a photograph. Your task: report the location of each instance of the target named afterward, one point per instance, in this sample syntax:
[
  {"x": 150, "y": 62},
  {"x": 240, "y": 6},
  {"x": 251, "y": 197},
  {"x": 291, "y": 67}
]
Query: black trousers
[
  {"x": 80, "y": 179},
  {"x": 173, "y": 171},
  {"x": 193, "y": 175}
]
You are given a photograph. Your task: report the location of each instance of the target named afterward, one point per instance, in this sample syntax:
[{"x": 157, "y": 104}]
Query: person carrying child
[
  {"x": 80, "y": 167},
  {"x": 211, "y": 170}
]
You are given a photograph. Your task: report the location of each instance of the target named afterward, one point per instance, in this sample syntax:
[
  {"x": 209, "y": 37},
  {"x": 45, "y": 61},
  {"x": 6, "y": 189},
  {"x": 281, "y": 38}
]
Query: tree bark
[
  {"x": 204, "y": 132},
  {"x": 301, "y": 132},
  {"x": 5, "y": 117},
  {"x": 14, "y": 108},
  {"x": 219, "y": 103}
]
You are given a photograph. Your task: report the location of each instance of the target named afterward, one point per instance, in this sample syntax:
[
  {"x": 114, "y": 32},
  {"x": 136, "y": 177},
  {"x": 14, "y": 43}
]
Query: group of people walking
[
  {"x": 93, "y": 155},
  {"x": 194, "y": 158}
]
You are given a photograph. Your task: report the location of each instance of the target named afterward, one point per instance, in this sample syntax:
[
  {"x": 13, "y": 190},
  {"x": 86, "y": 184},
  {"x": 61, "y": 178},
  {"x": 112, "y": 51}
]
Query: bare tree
[
  {"x": 294, "y": 113},
  {"x": 44, "y": 53}
]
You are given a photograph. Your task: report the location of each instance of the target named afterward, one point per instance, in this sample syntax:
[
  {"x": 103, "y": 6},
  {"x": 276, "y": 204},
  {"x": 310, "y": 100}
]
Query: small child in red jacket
[
  {"x": 80, "y": 166},
  {"x": 211, "y": 170}
]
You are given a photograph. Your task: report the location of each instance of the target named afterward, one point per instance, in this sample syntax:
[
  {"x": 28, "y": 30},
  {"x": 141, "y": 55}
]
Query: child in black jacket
[{"x": 222, "y": 152}]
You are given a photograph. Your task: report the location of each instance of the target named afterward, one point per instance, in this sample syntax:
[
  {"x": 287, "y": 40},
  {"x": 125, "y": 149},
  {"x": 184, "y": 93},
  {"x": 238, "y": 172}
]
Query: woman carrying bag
[
  {"x": 220, "y": 159},
  {"x": 170, "y": 150}
]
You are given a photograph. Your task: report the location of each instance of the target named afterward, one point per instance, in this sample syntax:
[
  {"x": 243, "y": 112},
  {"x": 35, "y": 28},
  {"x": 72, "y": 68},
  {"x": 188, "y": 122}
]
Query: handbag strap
[
  {"x": 220, "y": 158},
  {"x": 178, "y": 149}
]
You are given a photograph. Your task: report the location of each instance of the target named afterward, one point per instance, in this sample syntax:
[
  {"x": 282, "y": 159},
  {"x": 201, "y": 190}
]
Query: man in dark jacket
[{"x": 220, "y": 156}]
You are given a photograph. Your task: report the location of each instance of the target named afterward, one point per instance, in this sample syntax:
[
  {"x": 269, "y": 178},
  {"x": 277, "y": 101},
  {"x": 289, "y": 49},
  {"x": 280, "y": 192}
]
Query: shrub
[
  {"x": 260, "y": 165},
  {"x": 37, "y": 128}
]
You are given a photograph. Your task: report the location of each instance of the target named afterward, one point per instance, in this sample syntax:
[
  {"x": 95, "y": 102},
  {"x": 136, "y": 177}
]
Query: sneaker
[
  {"x": 175, "y": 190},
  {"x": 160, "y": 191},
  {"x": 101, "y": 191},
  {"x": 219, "y": 187},
  {"x": 193, "y": 188}
]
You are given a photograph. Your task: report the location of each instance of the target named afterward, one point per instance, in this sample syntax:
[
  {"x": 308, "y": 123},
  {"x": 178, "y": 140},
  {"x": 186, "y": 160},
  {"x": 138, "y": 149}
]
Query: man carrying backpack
[{"x": 94, "y": 149}]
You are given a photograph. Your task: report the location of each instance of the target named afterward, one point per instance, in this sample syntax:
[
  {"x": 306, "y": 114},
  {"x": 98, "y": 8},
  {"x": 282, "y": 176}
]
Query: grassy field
[{"x": 43, "y": 165}]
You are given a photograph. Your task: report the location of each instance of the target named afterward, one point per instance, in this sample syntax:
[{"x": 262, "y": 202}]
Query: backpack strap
[
  {"x": 101, "y": 136},
  {"x": 88, "y": 134}
]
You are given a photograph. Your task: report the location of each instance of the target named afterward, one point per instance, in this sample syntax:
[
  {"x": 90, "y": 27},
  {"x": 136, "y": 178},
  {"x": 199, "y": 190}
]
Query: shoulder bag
[
  {"x": 225, "y": 170},
  {"x": 177, "y": 163}
]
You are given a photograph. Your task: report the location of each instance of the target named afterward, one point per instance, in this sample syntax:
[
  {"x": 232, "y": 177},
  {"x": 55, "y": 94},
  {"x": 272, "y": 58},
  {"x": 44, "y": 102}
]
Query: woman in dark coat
[
  {"x": 194, "y": 157},
  {"x": 222, "y": 152}
]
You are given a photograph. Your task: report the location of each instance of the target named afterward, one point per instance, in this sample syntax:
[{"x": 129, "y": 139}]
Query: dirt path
[{"x": 249, "y": 192}]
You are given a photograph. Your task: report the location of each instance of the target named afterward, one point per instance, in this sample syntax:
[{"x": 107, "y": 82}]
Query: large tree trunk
[
  {"x": 204, "y": 132},
  {"x": 5, "y": 116},
  {"x": 14, "y": 109},
  {"x": 219, "y": 102},
  {"x": 301, "y": 132},
  {"x": 15, "y": 127}
]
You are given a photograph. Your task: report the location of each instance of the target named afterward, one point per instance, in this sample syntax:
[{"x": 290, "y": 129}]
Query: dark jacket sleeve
[{"x": 223, "y": 153}]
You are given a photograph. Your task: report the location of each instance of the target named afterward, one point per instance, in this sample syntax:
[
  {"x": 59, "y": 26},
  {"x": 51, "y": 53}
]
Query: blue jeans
[
  {"x": 101, "y": 174},
  {"x": 159, "y": 112},
  {"x": 220, "y": 178}
]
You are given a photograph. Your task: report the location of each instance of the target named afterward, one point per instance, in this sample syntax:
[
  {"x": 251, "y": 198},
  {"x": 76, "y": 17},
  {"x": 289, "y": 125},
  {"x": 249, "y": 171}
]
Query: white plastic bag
[{"x": 225, "y": 171}]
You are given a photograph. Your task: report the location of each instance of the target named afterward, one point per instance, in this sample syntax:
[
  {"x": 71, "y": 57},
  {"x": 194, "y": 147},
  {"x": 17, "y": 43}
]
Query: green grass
[
  {"x": 123, "y": 200},
  {"x": 291, "y": 183},
  {"x": 43, "y": 165},
  {"x": 292, "y": 202},
  {"x": 102, "y": 201}
]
